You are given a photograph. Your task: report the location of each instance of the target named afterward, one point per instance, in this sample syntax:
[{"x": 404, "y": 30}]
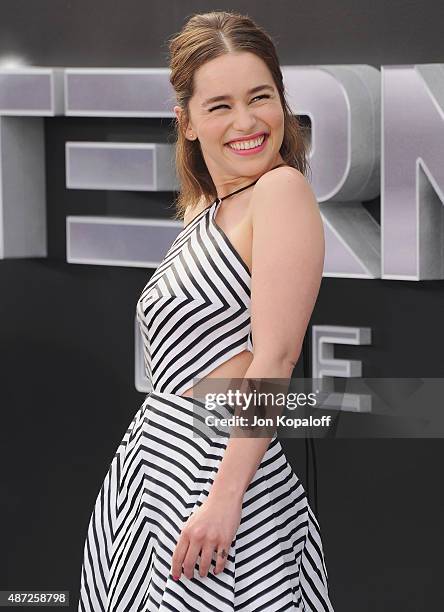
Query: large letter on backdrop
[
  {"x": 412, "y": 196},
  {"x": 343, "y": 103}
]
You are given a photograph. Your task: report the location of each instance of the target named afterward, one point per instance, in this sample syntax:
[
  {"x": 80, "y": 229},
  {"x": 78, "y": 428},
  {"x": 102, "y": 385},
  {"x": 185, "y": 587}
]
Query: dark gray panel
[{"x": 114, "y": 33}]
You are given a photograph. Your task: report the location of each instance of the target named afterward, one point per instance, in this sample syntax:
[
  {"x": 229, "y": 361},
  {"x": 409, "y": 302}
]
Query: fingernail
[{"x": 176, "y": 577}]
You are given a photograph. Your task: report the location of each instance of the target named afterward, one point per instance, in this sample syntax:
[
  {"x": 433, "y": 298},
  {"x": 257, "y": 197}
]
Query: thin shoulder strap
[{"x": 250, "y": 185}]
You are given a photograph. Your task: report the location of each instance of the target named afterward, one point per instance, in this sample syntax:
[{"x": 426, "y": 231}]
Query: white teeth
[{"x": 247, "y": 144}]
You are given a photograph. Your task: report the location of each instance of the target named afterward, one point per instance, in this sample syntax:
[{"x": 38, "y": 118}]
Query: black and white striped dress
[{"x": 194, "y": 314}]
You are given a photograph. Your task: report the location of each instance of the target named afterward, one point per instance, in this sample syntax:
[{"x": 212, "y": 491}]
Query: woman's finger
[
  {"x": 221, "y": 557},
  {"x": 190, "y": 560},
  {"x": 179, "y": 555},
  {"x": 206, "y": 556}
]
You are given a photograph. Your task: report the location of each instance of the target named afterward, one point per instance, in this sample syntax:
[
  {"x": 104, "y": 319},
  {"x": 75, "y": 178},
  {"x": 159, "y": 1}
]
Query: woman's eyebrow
[{"x": 228, "y": 97}]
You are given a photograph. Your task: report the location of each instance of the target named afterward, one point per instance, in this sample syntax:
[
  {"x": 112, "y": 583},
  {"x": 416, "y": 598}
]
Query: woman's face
[{"x": 242, "y": 113}]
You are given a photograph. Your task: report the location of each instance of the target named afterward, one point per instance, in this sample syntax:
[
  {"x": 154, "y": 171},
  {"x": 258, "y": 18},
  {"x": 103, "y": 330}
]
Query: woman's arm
[
  {"x": 287, "y": 264},
  {"x": 243, "y": 454}
]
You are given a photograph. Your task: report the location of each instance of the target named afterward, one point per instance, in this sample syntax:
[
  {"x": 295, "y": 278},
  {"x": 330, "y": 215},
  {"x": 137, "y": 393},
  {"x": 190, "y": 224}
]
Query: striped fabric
[
  {"x": 194, "y": 315},
  {"x": 194, "y": 312}
]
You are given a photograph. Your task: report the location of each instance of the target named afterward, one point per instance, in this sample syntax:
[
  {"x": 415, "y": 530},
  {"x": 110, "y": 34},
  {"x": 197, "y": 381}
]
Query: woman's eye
[
  {"x": 222, "y": 105},
  {"x": 216, "y": 107},
  {"x": 262, "y": 96}
]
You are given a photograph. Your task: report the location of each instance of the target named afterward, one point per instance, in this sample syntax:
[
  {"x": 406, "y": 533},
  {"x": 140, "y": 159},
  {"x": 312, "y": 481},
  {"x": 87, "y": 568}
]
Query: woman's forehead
[{"x": 228, "y": 75}]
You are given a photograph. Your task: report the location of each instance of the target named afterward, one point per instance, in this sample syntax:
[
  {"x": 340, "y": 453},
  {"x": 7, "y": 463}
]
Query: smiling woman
[
  {"x": 223, "y": 100},
  {"x": 246, "y": 125},
  {"x": 187, "y": 522}
]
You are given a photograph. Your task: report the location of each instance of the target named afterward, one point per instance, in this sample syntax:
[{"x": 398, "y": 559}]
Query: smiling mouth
[{"x": 242, "y": 145}]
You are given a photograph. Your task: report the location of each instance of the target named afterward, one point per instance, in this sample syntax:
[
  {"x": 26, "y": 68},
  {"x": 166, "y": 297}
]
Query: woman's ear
[
  {"x": 178, "y": 112},
  {"x": 184, "y": 127},
  {"x": 180, "y": 119}
]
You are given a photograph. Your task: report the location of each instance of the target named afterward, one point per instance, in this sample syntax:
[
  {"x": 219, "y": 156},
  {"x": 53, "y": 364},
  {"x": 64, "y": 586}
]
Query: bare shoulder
[
  {"x": 282, "y": 188},
  {"x": 191, "y": 213},
  {"x": 286, "y": 180}
]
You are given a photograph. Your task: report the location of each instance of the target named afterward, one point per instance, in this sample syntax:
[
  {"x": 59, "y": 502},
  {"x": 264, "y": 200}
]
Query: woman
[{"x": 190, "y": 523}]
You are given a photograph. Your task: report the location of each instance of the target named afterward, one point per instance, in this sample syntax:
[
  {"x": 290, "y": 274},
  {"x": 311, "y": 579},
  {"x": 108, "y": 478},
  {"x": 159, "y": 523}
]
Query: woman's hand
[{"x": 209, "y": 529}]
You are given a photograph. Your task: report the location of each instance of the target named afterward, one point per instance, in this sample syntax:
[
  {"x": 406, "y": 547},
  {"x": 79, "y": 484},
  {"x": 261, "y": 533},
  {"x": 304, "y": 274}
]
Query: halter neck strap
[{"x": 246, "y": 186}]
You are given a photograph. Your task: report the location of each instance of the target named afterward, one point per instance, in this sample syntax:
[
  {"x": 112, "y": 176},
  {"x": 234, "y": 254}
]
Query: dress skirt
[{"x": 159, "y": 474}]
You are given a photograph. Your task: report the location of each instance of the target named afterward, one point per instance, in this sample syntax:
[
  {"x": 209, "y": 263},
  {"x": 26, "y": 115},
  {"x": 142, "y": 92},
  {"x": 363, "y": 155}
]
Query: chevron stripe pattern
[{"x": 194, "y": 314}]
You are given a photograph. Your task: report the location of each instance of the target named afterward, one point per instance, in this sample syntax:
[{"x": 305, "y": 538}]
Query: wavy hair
[{"x": 204, "y": 37}]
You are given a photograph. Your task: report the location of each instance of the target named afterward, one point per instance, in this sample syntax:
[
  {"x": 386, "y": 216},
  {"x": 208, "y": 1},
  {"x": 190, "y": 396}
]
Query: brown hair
[{"x": 203, "y": 38}]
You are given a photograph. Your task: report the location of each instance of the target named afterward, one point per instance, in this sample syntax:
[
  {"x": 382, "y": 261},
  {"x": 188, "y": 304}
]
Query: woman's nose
[{"x": 244, "y": 119}]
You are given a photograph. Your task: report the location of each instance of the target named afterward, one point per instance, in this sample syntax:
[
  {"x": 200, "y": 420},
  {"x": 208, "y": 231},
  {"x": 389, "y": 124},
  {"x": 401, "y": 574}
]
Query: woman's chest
[{"x": 235, "y": 224}]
